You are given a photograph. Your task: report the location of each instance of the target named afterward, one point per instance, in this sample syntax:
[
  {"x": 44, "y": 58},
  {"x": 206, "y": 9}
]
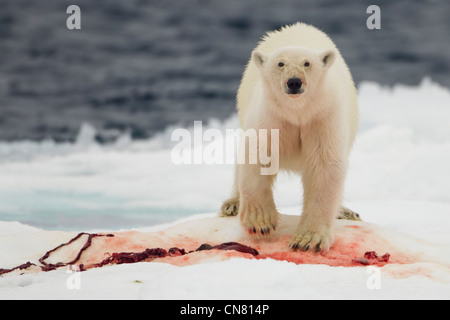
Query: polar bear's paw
[
  {"x": 230, "y": 207},
  {"x": 317, "y": 239},
  {"x": 259, "y": 220},
  {"x": 347, "y": 214}
]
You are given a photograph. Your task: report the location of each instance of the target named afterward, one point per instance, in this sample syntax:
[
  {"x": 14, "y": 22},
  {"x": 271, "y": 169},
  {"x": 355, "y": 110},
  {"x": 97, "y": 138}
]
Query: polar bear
[{"x": 297, "y": 82}]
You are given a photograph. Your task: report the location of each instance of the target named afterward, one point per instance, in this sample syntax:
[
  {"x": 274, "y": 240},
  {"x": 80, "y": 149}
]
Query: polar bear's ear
[
  {"x": 328, "y": 58},
  {"x": 258, "y": 58}
]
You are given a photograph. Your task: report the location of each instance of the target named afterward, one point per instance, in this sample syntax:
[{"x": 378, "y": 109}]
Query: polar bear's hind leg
[
  {"x": 230, "y": 208},
  {"x": 347, "y": 214}
]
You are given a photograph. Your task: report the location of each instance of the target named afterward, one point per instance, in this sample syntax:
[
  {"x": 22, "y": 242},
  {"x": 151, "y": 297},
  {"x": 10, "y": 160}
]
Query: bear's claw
[
  {"x": 305, "y": 240},
  {"x": 230, "y": 207},
  {"x": 347, "y": 214},
  {"x": 258, "y": 220}
]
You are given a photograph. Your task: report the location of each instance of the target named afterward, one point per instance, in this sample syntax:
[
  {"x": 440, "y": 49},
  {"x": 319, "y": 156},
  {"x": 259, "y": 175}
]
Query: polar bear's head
[{"x": 293, "y": 71}]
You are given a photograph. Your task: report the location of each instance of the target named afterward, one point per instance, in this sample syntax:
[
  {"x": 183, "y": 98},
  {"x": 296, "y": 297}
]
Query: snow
[
  {"x": 222, "y": 275},
  {"x": 398, "y": 181}
]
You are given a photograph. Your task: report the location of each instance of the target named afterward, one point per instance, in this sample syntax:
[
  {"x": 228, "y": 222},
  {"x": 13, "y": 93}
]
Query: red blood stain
[
  {"x": 371, "y": 258},
  {"x": 118, "y": 249}
]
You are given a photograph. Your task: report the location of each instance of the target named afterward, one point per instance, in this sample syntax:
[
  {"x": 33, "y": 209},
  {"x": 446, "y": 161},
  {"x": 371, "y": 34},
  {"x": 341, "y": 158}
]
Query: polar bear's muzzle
[{"x": 294, "y": 86}]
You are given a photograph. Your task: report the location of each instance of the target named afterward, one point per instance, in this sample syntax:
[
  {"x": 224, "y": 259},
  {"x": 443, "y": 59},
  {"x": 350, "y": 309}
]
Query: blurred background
[
  {"x": 86, "y": 115},
  {"x": 140, "y": 65}
]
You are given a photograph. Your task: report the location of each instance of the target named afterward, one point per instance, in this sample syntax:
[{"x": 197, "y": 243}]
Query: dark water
[{"x": 140, "y": 65}]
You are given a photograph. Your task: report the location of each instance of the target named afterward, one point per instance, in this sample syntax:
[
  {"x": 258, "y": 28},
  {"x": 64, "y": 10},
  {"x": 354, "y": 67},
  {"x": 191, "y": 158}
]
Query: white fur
[{"x": 316, "y": 129}]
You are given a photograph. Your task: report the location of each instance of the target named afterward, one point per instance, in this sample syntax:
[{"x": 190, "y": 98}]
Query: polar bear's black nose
[{"x": 294, "y": 84}]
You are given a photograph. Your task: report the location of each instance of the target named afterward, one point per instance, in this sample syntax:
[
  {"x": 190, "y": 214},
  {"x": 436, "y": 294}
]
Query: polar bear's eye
[
  {"x": 280, "y": 64},
  {"x": 306, "y": 64}
]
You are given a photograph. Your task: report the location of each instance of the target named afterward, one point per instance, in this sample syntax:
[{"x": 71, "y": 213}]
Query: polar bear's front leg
[
  {"x": 323, "y": 182},
  {"x": 322, "y": 195},
  {"x": 257, "y": 211}
]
